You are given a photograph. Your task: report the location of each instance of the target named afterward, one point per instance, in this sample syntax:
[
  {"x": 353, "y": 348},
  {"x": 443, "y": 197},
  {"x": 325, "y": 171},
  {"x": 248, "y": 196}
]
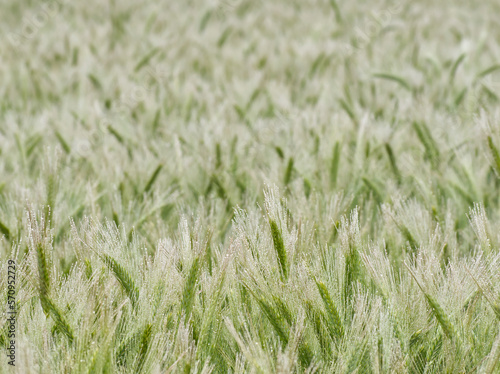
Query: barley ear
[
  {"x": 189, "y": 289},
  {"x": 123, "y": 277},
  {"x": 43, "y": 270},
  {"x": 280, "y": 248},
  {"x": 334, "y": 167},
  {"x": 438, "y": 311},
  {"x": 335, "y": 323},
  {"x": 144, "y": 345},
  {"x": 61, "y": 323}
]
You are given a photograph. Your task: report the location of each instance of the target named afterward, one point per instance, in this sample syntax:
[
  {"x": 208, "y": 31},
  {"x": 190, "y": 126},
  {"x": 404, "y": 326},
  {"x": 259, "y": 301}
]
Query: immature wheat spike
[
  {"x": 189, "y": 289},
  {"x": 393, "y": 163},
  {"x": 59, "y": 319},
  {"x": 144, "y": 345},
  {"x": 123, "y": 277},
  {"x": 317, "y": 317},
  {"x": 280, "y": 248},
  {"x": 441, "y": 316},
  {"x": 438, "y": 312},
  {"x": 335, "y": 323},
  {"x": 275, "y": 319},
  {"x": 43, "y": 270}
]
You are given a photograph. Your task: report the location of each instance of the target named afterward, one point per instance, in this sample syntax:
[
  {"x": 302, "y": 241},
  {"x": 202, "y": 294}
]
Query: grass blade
[
  {"x": 65, "y": 146},
  {"x": 496, "y": 156},
  {"x": 289, "y": 172},
  {"x": 145, "y": 60},
  {"x": 394, "y": 78},
  {"x": 334, "y": 168},
  {"x": 152, "y": 180}
]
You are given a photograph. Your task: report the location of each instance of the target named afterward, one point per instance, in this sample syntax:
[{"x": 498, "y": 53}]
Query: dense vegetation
[{"x": 248, "y": 186}]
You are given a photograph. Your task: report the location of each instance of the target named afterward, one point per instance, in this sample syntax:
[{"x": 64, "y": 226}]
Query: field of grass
[{"x": 241, "y": 186}]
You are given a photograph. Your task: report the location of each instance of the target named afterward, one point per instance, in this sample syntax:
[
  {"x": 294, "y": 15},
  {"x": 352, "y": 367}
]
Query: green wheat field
[{"x": 249, "y": 186}]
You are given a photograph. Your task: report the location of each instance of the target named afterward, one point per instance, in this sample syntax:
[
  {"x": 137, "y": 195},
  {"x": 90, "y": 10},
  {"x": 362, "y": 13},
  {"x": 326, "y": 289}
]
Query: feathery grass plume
[
  {"x": 335, "y": 322},
  {"x": 279, "y": 248},
  {"x": 274, "y": 317},
  {"x": 123, "y": 278},
  {"x": 189, "y": 291},
  {"x": 334, "y": 168}
]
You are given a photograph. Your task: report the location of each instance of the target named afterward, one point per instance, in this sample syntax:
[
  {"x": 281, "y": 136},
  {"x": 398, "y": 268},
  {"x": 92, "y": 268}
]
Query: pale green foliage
[{"x": 251, "y": 187}]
